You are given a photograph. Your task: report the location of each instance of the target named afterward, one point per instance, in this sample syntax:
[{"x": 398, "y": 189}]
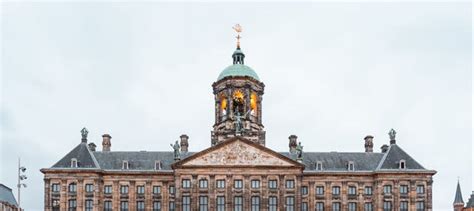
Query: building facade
[{"x": 238, "y": 171}]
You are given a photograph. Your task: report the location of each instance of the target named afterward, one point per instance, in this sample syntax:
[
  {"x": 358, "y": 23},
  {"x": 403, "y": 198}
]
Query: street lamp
[{"x": 21, "y": 177}]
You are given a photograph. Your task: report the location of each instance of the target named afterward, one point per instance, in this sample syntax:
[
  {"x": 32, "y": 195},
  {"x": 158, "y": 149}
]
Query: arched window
[
  {"x": 223, "y": 106},
  {"x": 74, "y": 163},
  {"x": 253, "y": 104},
  {"x": 402, "y": 164}
]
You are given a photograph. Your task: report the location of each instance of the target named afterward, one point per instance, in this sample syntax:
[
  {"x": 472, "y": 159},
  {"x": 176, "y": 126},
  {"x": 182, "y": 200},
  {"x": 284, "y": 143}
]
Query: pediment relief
[{"x": 240, "y": 153}]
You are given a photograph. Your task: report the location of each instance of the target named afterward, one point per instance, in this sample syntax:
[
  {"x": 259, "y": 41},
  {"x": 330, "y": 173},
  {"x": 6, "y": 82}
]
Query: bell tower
[{"x": 238, "y": 95}]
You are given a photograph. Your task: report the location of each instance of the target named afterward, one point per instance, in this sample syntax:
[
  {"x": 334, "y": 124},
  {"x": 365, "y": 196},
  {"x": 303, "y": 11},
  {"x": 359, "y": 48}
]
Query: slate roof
[
  {"x": 84, "y": 157},
  {"x": 458, "y": 197},
  {"x": 393, "y": 156},
  {"x": 331, "y": 161},
  {"x": 6, "y": 195},
  {"x": 141, "y": 160},
  {"x": 470, "y": 203}
]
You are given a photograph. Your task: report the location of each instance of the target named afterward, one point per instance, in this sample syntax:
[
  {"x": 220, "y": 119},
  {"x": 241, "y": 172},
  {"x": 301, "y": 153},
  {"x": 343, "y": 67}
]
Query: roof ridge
[{"x": 379, "y": 166}]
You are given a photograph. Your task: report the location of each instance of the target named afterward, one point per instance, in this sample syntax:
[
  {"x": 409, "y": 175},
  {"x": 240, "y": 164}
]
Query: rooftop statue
[{"x": 176, "y": 150}]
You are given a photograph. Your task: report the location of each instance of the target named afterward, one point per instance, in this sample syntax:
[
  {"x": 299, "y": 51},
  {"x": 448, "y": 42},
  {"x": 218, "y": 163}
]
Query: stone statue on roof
[
  {"x": 176, "y": 150},
  {"x": 299, "y": 151},
  {"x": 84, "y": 133}
]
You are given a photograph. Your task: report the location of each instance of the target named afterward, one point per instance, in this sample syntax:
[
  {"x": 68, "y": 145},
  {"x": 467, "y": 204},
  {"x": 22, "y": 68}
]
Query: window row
[
  {"x": 352, "y": 190},
  {"x": 238, "y": 184},
  {"x": 89, "y": 188}
]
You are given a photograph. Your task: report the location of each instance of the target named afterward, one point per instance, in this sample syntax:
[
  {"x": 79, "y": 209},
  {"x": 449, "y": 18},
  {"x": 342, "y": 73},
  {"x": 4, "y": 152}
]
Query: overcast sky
[{"x": 334, "y": 73}]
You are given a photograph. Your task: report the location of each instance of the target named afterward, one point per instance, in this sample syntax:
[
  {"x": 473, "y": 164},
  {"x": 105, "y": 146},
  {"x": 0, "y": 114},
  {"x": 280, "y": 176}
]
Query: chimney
[
  {"x": 384, "y": 148},
  {"x": 92, "y": 146},
  {"x": 369, "y": 143},
  {"x": 293, "y": 143},
  {"x": 106, "y": 144},
  {"x": 184, "y": 143}
]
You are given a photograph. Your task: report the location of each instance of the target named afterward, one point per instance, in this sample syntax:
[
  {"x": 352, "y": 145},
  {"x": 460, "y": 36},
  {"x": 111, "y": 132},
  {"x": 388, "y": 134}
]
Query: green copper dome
[{"x": 238, "y": 70}]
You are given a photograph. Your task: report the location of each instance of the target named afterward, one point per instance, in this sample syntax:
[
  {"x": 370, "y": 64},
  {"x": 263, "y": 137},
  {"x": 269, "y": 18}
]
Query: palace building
[{"x": 238, "y": 171}]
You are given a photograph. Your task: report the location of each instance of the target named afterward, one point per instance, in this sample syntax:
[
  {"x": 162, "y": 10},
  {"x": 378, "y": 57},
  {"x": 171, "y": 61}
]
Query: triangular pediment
[{"x": 238, "y": 152}]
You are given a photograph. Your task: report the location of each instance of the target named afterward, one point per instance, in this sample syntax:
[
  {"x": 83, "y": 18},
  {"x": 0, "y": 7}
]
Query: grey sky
[{"x": 334, "y": 72}]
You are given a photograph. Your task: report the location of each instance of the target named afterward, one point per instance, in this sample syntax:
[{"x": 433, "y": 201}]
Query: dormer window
[
  {"x": 319, "y": 166},
  {"x": 158, "y": 165},
  {"x": 402, "y": 164},
  {"x": 74, "y": 163},
  {"x": 350, "y": 166},
  {"x": 125, "y": 164}
]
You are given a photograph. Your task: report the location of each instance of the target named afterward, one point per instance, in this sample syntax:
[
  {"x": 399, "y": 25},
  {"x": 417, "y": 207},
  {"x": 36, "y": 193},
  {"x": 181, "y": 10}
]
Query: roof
[
  {"x": 141, "y": 160},
  {"x": 394, "y": 155},
  {"x": 238, "y": 70},
  {"x": 338, "y": 161},
  {"x": 6, "y": 195},
  {"x": 470, "y": 203},
  {"x": 458, "y": 197},
  {"x": 82, "y": 154}
]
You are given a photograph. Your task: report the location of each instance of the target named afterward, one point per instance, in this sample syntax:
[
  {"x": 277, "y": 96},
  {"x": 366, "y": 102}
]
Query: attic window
[
  {"x": 158, "y": 165},
  {"x": 402, "y": 164},
  {"x": 319, "y": 166},
  {"x": 125, "y": 165},
  {"x": 74, "y": 163},
  {"x": 350, "y": 166}
]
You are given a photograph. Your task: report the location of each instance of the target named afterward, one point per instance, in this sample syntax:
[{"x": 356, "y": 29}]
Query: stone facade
[{"x": 238, "y": 172}]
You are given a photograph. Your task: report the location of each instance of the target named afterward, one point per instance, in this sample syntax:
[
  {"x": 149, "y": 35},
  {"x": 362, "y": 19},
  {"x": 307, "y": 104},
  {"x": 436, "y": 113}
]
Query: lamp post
[{"x": 21, "y": 177}]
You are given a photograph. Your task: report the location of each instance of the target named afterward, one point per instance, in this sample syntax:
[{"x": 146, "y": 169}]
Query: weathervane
[{"x": 238, "y": 29}]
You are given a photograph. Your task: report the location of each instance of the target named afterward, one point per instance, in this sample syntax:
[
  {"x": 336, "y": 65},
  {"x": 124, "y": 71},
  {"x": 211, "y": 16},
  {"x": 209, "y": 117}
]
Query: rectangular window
[
  {"x": 368, "y": 190},
  {"x": 186, "y": 203},
  {"x": 55, "y": 204},
  {"x": 220, "y": 202},
  {"x": 124, "y": 205},
  {"x": 89, "y": 188},
  {"x": 171, "y": 190},
  {"x": 89, "y": 205},
  {"x": 368, "y": 206},
  {"x": 186, "y": 183},
  {"x": 319, "y": 166},
  {"x": 238, "y": 184},
  {"x": 108, "y": 189},
  {"x": 319, "y": 190},
  {"x": 387, "y": 189},
  {"x": 203, "y": 203},
  {"x": 319, "y": 206},
  {"x": 336, "y": 190},
  {"x": 336, "y": 206},
  {"x": 352, "y": 206},
  {"x": 387, "y": 206},
  {"x": 290, "y": 184},
  {"x": 272, "y": 203},
  {"x": 403, "y": 189},
  {"x": 304, "y": 206},
  {"x": 255, "y": 184},
  {"x": 203, "y": 183},
  {"x": 72, "y": 205},
  {"x": 157, "y": 206},
  {"x": 221, "y": 184},
  {"x": 140, "y": 206},
  {"x": 156, "y": 189},
  {"x": 420, "y": 189},
  {"x": 404, "y": 206},
  {"x": 272, "y": 184},
  {"x": 238, "y": 203},
  {"x": 352, "y": 191},
  {"x": 255, "y": 202},
  {"x": 55, "y": 187},
  {"x": 290, "y": 203},
  {"x": 304, "y": 190},
  {"x": 124, "y": 189},
  {"x": 172, "y": 206},
  {"x": 420, "y": 206},
  {"x": 72, "y": 188},
  {"x": 140, "y": 189},
  {"x": 107, "y": 206}
]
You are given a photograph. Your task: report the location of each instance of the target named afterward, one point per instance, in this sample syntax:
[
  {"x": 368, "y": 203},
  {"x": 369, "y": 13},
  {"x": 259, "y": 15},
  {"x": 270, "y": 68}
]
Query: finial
[
  {"x": 392, "y": 135},
  {"x": 238, "y": 29},
  {"x": 84, "y": 133}
]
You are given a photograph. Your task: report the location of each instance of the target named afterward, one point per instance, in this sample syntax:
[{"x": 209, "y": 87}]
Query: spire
[
  {"x": 238, "y": 56},
  {"x": 458, "y": 198}
]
